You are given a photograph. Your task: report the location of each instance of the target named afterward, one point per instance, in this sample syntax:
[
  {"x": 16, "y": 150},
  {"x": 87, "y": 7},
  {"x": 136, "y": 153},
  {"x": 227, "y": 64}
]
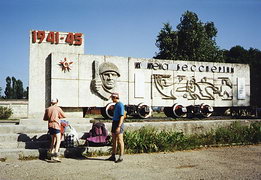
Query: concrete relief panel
[
  {"x": 162, "y": 89},
  {"x": 146, "y": 99},
  {"x": 163, "y": 86},
  {"x": 225, "y": 94},
  {"x": 202, "y": 89},
  {"x": 122, "y": 89},
  {"x": 122, "y": 64},
  {"x": 154, "y": 82},
  {"x": 86, "y": 70},
  {"x": 241, "y": 71},
  {"x": 139, "y": 89},
  {"x": 67, "y": 91},
  {"x": 65, "y": 66},
  {"x": 223, "y": 80},
  {"x": 105, "y": 79},
  {"x": 139, "y": 85},
  {"x": 224, "y": 87},
  {"x": 241, "y": 102},
  {"x": 162, "y": 82},
  {"x": 139, "y": 65},
  {"x": 86, "y": 97},
  {"x": 241, "y": 88},
  {"x": 202, "y": 71},
  {"x": 64, "y": 79},
  {"x": 183, "y": 72}
]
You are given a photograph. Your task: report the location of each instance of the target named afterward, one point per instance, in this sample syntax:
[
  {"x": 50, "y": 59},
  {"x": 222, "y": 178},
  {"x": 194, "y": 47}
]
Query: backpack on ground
[{"x": 98, "y": 135}]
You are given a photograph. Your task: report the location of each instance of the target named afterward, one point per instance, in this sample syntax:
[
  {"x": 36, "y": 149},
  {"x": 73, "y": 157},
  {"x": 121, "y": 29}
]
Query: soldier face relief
[
  {"x": 105, "y": 79},
  {"x": 109, "y": 79}
]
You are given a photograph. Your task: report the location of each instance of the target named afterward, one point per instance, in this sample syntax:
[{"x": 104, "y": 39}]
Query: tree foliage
[
  {"x": 8, "y": 88},
  {"x": 238, "y": 54},
  {"x": 193, "y": 40},
  {"x": 14, "y": 89}
]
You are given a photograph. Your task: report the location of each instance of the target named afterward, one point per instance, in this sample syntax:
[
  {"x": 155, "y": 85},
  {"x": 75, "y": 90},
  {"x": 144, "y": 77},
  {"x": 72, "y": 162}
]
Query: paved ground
[{"x": 243, "y": 162}]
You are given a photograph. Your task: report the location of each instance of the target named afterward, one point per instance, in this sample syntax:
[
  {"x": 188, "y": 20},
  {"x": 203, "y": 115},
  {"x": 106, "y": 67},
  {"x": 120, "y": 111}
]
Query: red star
[{"x": 65, "y": 65}]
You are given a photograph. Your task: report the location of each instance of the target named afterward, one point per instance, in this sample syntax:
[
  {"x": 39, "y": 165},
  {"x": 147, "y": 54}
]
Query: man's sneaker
[
  {"x": 56, "y": 159},
  {"x": 119, "y": 160},
  {"x": 112, "y": 158}
]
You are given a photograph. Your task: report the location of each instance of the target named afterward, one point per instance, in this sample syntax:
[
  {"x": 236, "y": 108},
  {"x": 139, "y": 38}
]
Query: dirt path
[{"x": 242, "y": 162}]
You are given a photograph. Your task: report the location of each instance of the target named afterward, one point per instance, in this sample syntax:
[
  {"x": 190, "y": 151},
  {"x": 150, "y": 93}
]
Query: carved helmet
[{"x": 108, "y": 66}]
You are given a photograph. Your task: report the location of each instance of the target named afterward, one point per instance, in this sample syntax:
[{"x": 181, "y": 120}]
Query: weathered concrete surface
[{"x": 212, "y": 163}]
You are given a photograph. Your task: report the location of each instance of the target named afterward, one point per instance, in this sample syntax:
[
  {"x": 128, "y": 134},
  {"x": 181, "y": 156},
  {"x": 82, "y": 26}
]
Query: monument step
[
  {"x": 25, "y": 129},
  {"x": 20, "y": 137},
  {"x": 71, "y": 121},
  {"x": 14, "y": 129},
  {"x": 25, "y": 145}
]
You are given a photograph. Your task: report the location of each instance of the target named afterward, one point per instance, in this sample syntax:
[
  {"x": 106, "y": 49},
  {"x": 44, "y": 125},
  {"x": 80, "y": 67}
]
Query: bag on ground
[
  {"x": 98, "y": 135},
  {"x": 71, "y": 138}
]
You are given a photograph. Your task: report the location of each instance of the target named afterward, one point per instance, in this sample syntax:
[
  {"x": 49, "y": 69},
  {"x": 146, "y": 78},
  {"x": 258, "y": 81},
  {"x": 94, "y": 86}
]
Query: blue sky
[{"x": 118, "y": 27}]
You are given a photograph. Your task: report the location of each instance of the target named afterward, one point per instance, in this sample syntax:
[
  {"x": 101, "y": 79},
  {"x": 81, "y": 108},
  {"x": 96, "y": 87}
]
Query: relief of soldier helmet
[
  {"x": 109, "y": 73},
  {"x": 108, "y": 67}
]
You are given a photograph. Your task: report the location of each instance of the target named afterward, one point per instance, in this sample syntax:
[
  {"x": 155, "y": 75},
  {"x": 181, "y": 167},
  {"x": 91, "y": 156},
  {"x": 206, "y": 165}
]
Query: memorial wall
[
  {"x": 60, "y": 69},
  {"x": 89, "y": 80}
]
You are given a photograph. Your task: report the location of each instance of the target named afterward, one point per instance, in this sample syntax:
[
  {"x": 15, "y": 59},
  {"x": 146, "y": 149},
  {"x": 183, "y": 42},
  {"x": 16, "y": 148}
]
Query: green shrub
[
  {"x": 147, "y": 139},
  {"x": 140, "y": 141},
  {"x": 237, "y": 133},
  {"x": 5, "y": 112}
]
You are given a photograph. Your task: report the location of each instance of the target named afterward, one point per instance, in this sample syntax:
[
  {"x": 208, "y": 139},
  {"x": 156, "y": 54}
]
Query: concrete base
[
  {"x": 29, "y": 139},
  {"x": 76, "y": 120}
]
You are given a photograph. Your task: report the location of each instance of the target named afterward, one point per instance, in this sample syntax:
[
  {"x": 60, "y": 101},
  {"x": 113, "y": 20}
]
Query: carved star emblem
[{"x": 66, "y": 66}]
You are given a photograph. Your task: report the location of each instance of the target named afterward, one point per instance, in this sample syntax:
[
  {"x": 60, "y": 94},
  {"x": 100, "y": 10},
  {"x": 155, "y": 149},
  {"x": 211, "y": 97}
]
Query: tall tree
[
  {"x": 19, "y": 89},
  {"x": 26, "y": 92},
  {"x": 167, "y": 42},
  {"x": 0, "y": 92},
  {"x": 236, "y": 54},
  {"x": 255, "y": 56},
  {"x": 14, "y": 89},
  {"x": 8, "y": 88},
  {"x": 193, "y": 40}
]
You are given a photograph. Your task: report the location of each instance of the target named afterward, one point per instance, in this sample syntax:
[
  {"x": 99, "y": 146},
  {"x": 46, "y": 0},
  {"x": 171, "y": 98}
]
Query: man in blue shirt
[{"x": 117, "y": 128}]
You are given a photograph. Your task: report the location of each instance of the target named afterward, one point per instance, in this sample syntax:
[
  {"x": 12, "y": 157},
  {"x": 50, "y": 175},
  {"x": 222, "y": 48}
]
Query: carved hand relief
[
  {"x": 105, "y": 78},
  {"x": 204, "y": 89}
]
